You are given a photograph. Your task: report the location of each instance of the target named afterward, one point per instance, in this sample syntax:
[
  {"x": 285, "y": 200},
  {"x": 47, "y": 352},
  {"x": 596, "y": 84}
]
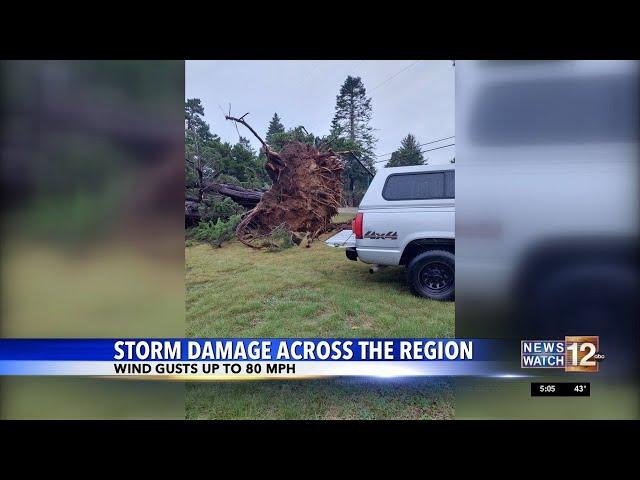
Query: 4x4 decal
[{"x": 381, "y": 236}]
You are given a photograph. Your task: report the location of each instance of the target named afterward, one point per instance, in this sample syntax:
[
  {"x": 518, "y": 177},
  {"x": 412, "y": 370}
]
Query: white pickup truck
[{"x": 407, "y": 217}]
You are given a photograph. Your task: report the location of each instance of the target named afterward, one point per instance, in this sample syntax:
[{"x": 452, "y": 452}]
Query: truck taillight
[{"x": 356, "y": 225}]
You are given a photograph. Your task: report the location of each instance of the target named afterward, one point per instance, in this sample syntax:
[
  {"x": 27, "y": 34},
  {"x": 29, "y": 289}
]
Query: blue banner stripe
[{"x": 258, "y": 349}]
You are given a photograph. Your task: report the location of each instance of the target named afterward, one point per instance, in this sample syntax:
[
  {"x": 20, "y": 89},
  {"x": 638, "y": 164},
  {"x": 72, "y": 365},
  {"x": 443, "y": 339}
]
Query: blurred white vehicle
[{"x": 547, "y": 216}]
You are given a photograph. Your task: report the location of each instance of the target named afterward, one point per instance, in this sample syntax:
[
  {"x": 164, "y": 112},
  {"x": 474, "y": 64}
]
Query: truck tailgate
[{"x": 344, "y": 239}]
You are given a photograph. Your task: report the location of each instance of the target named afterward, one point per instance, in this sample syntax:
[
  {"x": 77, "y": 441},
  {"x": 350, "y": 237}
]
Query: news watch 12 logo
[{"x": 574, "y": 354}]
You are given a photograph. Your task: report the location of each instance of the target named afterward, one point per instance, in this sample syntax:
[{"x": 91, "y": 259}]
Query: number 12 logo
[{"x": 581, "y": 354}]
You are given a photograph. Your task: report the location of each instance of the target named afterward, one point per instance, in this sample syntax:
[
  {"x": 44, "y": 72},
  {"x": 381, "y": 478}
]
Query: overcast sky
[{"x": 409, "y": 96}]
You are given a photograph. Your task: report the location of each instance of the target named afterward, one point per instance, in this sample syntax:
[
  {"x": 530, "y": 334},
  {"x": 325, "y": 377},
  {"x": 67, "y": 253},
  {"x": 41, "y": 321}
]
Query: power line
[
  {"x": 421, "y": 151},
  {"x": 362, "y": 164},
  {"x": 420, "y": 145},
  {"x": 394, "y": 75}
]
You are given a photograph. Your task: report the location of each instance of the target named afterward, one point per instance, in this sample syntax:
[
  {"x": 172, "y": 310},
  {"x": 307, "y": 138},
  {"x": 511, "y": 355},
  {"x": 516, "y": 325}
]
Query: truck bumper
[
  {"x": 352, "y": 253},
  {"x": 379, "y": 256}
]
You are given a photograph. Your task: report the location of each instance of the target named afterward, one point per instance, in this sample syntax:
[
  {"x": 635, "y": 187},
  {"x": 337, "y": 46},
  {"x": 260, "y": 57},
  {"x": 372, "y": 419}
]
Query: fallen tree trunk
[
  {"x": 245, "y": 197},
  {"x": 242, "y": 196}
]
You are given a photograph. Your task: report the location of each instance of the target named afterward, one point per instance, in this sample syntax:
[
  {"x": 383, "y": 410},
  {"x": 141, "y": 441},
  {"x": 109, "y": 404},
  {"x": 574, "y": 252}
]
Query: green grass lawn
[
  {"x": 235, "y": 291},
  {"x": 333, "y": 399}
]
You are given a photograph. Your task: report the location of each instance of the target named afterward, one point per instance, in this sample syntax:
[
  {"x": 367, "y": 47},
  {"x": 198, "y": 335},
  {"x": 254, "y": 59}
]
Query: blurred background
[
  {"x": 92, "y": 226},
  {"x": 547, "y": 224}
]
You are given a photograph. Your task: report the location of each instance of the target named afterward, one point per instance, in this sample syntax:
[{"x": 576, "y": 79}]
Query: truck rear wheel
[{"x": 432, "y": 275}]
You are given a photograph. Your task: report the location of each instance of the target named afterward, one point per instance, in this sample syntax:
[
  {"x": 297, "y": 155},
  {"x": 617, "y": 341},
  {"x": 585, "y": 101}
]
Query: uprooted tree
[{"x": 304, "y": 197}]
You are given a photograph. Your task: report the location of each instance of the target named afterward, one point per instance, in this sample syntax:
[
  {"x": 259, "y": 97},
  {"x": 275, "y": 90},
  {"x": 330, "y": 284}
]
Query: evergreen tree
[
  {"x": 408, "y": 154},
  {"x": 193, "y": 113},
  {"x": 208, "y": 158},
  {"x": 298, "y": 134},
  {"x": 351, "y": 124},
  {"x": 193, "y": 109},
  {"x": 197, "y": 139},
  {"x": 275, "y": 127},
  {"x": 353, "y": 114}
]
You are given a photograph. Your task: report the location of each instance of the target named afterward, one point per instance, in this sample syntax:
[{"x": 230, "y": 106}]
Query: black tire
[{"x": 432, "y": 275}]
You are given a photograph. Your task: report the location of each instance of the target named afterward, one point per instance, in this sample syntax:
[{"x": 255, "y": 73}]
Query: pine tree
[
  {"x": 350, "y": 124},
  {"x": 353, "y": 114},
  {"x": 408, "y": 154},
  {"x": 193, "y": 109},
  {"x": 194, "y": 121},
  {"x": 275, "y": 127}
]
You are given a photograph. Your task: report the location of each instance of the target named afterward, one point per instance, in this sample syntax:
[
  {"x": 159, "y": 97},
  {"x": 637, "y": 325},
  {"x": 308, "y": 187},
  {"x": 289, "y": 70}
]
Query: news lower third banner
[
  {"x": 262, "y": 358},
  {"x": 223, "y": 359}
]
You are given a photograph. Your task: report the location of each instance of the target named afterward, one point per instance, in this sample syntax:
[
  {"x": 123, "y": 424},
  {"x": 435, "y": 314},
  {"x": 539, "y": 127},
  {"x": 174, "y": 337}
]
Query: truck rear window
[{"x": 420, "y": 186}]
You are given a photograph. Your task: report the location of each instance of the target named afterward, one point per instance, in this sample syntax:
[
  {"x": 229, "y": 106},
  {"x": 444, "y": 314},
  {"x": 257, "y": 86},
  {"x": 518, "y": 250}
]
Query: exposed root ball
[{"x": 305, "y": 195}]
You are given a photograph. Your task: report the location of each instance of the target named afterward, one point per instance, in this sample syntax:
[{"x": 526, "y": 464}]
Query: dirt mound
[{"x": 306, "y": 194}]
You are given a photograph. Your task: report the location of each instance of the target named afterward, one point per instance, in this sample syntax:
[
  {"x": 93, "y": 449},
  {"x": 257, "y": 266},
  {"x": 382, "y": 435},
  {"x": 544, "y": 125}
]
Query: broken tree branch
[{"x": 241, "y": 121}]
